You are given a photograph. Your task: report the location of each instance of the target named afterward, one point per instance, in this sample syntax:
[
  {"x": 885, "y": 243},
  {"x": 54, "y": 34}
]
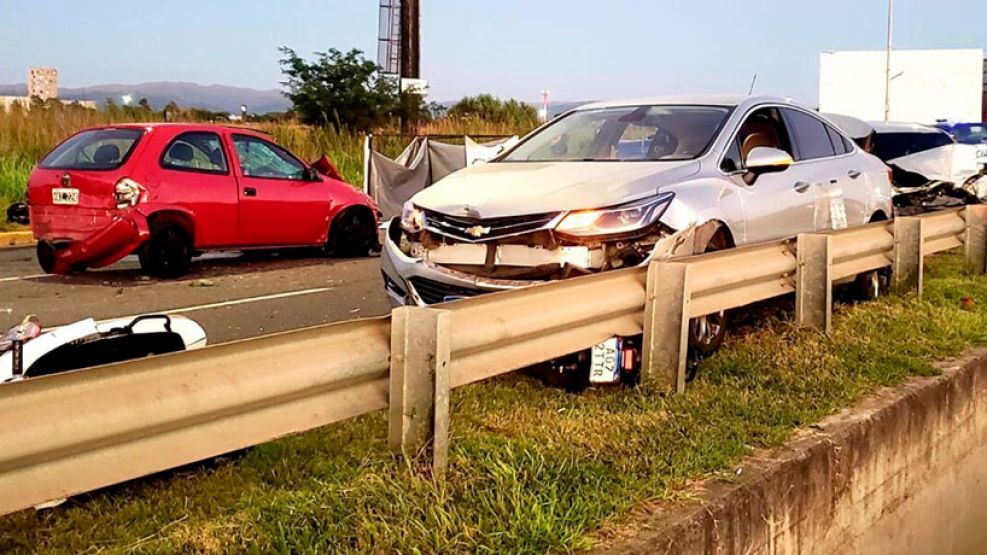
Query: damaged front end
[
  {"x": 515, "y": 251},
  {"x": 432, "y": 257},
  {"x": 937, "y": 179}
]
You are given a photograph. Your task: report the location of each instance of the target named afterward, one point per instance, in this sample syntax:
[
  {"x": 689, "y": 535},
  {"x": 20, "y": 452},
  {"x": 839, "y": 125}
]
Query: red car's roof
[{"x": 180, "y": 127}]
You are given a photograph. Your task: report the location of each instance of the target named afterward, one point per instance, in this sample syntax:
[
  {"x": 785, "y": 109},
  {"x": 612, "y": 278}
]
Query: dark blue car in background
[{"x": 967, "y": 133}]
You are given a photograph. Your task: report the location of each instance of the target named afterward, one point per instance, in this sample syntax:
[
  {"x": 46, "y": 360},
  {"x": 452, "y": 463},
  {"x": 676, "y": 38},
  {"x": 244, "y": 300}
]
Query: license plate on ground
[
  {"x": 605, "y": 361},
  {"x": 65, "y": 196}
]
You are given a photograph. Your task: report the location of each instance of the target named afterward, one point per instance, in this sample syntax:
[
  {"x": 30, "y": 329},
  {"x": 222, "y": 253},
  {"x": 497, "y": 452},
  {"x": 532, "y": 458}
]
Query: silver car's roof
[{"x": 692, "y": 99}]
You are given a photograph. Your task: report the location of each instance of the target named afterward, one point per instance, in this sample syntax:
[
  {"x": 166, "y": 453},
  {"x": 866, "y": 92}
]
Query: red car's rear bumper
[{"x": 92, "y": 237}]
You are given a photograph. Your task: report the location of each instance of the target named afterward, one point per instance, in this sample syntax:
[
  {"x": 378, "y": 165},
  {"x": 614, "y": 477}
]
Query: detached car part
[{"x": 28, "y": 351}]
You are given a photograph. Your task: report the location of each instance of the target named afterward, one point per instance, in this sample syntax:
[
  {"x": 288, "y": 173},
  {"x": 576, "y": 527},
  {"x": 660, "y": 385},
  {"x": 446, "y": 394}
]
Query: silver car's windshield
[{"x": 626, "y": 133}]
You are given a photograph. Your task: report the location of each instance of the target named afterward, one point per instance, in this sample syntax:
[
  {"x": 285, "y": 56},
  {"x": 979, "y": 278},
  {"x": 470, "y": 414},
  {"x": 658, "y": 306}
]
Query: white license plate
[
  {"x": 65, "y": 196},
  {"x": 605, "y": 361},
  {"x": 982, "y": 154}
]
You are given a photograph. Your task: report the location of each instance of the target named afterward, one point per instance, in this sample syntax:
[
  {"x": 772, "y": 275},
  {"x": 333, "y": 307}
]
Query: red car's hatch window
[{"x": 94, "y": 150}]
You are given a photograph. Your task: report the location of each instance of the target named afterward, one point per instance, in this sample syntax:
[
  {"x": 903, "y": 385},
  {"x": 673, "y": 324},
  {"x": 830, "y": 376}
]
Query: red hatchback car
[{"x": 171, "y": 191}]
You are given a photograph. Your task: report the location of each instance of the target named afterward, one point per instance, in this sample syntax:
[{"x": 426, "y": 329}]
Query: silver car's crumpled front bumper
[
  {"x": 413, "y": 281},
  {"x": 416, "y": 281}
]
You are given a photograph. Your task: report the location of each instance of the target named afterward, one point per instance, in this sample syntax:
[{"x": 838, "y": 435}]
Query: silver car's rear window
[
  {"x": 625, "y": 134},
  {"x": 98, "y": 149}
]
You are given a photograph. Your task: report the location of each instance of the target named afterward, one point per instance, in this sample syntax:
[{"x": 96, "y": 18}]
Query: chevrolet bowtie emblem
[{"x": 477, "y": 231}]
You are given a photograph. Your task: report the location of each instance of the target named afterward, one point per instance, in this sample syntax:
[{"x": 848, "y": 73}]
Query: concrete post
[
  {"x": 975, "y": 238},
  {"x": 666, "y": 326},
  {"x": 909, "y": 261},
  {"x": 813, "y": 286},
  {"x": 419, "y": 384}
]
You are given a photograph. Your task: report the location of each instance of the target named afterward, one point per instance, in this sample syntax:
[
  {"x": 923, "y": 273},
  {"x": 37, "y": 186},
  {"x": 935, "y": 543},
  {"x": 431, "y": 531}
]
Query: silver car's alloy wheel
[{"x": 706, "y": 329}]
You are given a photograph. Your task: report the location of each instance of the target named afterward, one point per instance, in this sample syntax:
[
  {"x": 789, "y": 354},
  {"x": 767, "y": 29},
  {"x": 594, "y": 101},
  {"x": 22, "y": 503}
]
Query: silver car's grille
[
  {"x": 435, "y": 292},
  {"x": 475, "y": 230}
]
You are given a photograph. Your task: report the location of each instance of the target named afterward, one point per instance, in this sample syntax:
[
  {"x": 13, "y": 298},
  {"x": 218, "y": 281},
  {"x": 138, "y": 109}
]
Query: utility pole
[
  {"x": 411, "y": 23},
  {"x": 887, "y": 62}
]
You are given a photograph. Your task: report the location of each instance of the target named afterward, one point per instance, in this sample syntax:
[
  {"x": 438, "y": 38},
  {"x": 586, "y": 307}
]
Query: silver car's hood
[{"x": 518, "y": 188}]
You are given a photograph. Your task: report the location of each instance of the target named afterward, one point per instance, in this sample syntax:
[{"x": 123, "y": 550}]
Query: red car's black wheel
[
  {"x": 46, "y": 256},
  {"x": 353, "y": 234},
  {"x": 168, "y": 253}
]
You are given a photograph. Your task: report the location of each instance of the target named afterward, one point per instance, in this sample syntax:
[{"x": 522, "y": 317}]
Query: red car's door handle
[{"x": 249, "y": 192}]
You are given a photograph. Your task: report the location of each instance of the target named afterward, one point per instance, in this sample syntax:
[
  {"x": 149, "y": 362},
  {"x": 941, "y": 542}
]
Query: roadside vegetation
[{"x": 532, "y": 469}]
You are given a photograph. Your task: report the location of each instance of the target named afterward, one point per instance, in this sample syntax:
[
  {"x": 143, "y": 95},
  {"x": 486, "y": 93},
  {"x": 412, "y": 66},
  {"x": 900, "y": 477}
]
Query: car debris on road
[{"x": 28, "y": 351}]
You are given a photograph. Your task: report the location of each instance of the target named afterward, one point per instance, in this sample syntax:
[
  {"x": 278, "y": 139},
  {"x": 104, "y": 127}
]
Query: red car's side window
[
  {"x": 259, "y": 158},
  {"x": 195, "y": 151}
]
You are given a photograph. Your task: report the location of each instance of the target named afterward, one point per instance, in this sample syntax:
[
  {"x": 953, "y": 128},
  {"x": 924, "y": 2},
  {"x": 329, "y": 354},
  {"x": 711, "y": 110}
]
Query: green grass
[
  {"x": 532, "y": 469},
  {"x": 14, "y": 171}
]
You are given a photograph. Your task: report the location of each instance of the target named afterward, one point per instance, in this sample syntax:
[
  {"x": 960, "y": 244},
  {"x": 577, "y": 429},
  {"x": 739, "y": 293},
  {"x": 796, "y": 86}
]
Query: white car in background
[
  {"x": 618, "y": 184},
  {"x": 931, "y": 170}
]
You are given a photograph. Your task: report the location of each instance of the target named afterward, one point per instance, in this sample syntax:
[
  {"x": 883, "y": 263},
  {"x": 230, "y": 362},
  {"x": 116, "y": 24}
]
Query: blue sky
[{"x": 580, "y": 49}]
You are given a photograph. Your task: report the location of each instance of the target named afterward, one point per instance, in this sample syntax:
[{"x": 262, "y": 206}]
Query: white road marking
[
  {"x": 18, "y": 278},
  {"x": 272, "y": 297},
  {"x": 209, "y": 306}
]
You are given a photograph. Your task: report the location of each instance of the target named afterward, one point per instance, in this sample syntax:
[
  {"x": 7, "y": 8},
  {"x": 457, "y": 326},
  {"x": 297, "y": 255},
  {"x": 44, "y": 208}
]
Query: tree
[
  {"x": 486, "y": 107},
  {"x": 343, "y": 91}
]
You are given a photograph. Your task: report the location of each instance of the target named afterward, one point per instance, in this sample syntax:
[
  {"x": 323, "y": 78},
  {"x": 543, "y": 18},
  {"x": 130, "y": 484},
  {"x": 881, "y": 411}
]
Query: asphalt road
[{"x": 231, "y": 296}]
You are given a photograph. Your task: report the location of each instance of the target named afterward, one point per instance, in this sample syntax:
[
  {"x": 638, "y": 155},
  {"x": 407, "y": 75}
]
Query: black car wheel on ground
[
  {"x": 353, "y": 234},
  {"x": 46, "y": 256},
  {"x": 168, "y": 253}
]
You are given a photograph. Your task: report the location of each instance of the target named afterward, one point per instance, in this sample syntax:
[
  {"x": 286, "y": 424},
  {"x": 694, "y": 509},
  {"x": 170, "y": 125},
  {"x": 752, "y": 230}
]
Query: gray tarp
[{"x": 393, "y": 182}]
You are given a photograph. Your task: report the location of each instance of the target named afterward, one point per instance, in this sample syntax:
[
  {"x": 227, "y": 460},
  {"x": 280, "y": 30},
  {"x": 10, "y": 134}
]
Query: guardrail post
[
  {"x": 909, "y": 259},
  {"x": 975, "y": 238},
  {"x": 419, "y": 384},
  {"x": 666, "y": 326},
  {"x": 813, "y": 286}
]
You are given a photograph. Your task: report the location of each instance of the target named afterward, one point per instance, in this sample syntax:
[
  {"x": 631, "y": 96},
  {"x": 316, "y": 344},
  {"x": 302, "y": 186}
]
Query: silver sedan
[{"x": 618, "y": 184}]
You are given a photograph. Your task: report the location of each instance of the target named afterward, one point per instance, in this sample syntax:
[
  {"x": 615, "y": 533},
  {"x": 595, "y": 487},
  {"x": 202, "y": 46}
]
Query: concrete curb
[
  {"x": 16, "y": 239},
  {"x": 833, "y": 483}
]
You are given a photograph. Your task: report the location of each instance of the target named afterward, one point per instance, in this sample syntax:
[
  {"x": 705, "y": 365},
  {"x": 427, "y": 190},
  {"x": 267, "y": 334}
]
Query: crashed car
[
  {"x": 619, "y": 184},
  {"x": 28, "y": 351},
  {"x": 168, "y": 192},
  {"x": 931, "y": 170}
]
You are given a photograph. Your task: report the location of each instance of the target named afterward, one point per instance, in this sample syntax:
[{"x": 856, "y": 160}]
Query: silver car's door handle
[
  {"x": 801, "y": 186},
  {"x": 854, "y": 174}
]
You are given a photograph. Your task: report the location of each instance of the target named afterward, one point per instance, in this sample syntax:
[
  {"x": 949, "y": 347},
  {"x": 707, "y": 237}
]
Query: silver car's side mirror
[{"x": 765, "y": 159}]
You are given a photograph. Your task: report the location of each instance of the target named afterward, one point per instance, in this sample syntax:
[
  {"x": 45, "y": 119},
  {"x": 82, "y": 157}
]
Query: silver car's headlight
[
  {"x": 412, "y": 218},
  {"x": 615, "y": 220}
]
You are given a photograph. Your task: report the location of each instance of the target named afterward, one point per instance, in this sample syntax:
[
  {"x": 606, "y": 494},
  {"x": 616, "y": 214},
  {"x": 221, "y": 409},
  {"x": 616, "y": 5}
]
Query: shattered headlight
[
  {"x": 624, "y": 218},
  {"x": 412, "y": 218}
]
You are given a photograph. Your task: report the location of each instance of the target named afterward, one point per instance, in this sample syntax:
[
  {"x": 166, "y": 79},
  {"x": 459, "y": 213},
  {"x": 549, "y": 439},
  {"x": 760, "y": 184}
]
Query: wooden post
[
  {"x": 909, "y": 260},
  {"x": 975, "y": 238},
  {"x": 813, "y": 286},
  {"x": 666, "y": 326},
  {"x": 419, "y": 384}
]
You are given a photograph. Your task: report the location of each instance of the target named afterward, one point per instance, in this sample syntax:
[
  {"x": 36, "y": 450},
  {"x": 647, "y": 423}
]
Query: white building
[{"x": 926, "y": 85}]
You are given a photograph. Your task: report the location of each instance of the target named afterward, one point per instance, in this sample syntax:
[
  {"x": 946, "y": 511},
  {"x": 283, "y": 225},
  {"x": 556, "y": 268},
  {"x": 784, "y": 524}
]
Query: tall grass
[{"x": 25, "y": 136}]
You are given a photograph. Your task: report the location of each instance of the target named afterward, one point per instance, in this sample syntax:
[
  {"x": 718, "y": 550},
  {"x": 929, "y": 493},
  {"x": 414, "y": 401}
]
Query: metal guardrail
[{"x": 84, "y": 430}]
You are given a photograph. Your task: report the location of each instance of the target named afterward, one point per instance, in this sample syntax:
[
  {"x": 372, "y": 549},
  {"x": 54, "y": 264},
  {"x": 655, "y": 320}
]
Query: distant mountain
[{"x": 217, "y": 98}]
